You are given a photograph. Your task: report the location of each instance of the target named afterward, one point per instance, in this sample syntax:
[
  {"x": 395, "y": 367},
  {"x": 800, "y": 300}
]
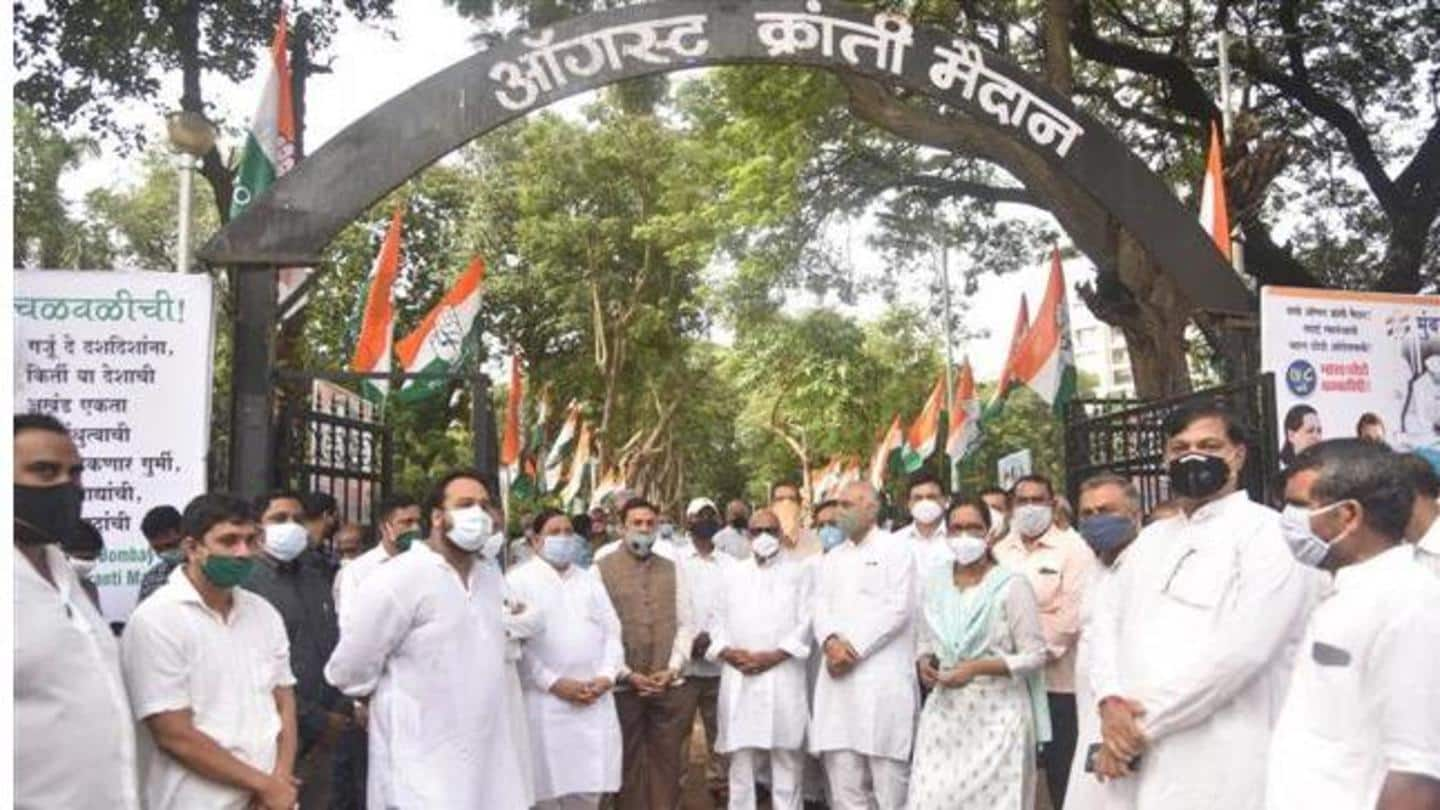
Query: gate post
[
  {"x": 482, "y": 433},
  {"x": 252, "y": 418}
]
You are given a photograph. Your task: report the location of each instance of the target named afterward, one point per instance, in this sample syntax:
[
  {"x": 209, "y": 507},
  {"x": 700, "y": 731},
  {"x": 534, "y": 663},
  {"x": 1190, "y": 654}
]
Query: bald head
[{"x": 859, "y": 509}]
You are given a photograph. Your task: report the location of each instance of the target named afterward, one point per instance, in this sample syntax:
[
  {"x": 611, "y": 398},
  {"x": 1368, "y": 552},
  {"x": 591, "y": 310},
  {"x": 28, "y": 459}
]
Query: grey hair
[{"x": 1106, "y": 479}]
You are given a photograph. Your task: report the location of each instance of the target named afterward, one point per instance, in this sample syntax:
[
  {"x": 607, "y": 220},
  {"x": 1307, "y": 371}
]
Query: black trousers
[
  {"x": 1060, "y": 751},
  {"x": 351, "y": 762}
]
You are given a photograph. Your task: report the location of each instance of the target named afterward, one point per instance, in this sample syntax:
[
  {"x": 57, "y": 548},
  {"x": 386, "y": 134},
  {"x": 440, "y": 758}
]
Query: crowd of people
[{"x": 1212, "y": 654}]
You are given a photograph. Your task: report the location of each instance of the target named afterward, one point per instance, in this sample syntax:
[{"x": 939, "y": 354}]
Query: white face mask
[
  {"x": 472, "y": 530},
  {"x": 83, "y": 568},
  {"x": 968, "y": 548},
  {"x": 765, "y": 547},
  {"x": 927, "y": 512},
  {"x": 285, "y": 541},
  {"x": 1308, "y": 547},
  {"x": 1032, "y": 520}
]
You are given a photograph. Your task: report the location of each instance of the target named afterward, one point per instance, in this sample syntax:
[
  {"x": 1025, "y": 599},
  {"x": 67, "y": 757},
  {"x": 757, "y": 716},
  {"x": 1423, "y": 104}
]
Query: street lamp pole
[
  {"x": 193, "y": 136},
  {"x": 186, "y": 163}
]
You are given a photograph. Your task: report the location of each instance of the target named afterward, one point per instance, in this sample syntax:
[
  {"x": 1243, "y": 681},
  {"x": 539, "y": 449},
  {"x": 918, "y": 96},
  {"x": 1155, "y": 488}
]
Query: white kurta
[
  {"x": 348, "y": 578},
  {"x": 764, "y": 608},
  {"x": 576, "y": 749},
  {"x": 1365, "y": 697},
  {"x": 1427, "y": 550},
  {"x": 522, "y": 621},
  {"x": 1085, "y": 791},
  {"x": 866, "y": 594},
  {"x": 430, "y": 650},
  {"x": 704, "y": 576},
  {"x": 931, "y": 553},
  {"x": 74, "y": 736},
  {"x": 1207, "y": 616}
]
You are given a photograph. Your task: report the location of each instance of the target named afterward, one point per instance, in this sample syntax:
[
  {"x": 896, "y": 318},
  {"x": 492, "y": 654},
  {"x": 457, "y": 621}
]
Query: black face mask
[
  {"x": 51, "y": 513},
  {"x": 1198, "y": 475},
  {"x": 738, "y": 524},
  {"x": 705, "y": 529}
]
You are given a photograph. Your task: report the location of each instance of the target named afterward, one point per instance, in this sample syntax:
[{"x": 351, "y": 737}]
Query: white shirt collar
[
  {"x": 1429, "y": 542},
  {"x": 1218, "y": 508},
  {"x": 1377, "y": 570}
]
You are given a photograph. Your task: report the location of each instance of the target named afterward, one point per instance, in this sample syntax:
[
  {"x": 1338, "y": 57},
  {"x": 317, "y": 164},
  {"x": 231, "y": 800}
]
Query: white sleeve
[
  {"x": 613, "y": 662},
  {"x": 1101, "y": 632},
  {"x": 684, "y": 621},
  {"x": 1407, "y": 664},
  {"x": 796, "y": 642},
  {"x": 370, "y": 632},
  {"x": 157, "y": 673},
  {"x": 1022, "y": 615},
  {"x": 1272, "y": 593},
  {"x": 820, "y": 615}
]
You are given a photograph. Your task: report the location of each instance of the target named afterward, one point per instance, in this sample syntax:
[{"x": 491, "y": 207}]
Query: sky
[{"x": 373, "y": 63}]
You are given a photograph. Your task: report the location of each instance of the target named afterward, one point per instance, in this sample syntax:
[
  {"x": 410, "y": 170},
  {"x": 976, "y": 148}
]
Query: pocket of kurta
[{"x": 1196, "y": 581}]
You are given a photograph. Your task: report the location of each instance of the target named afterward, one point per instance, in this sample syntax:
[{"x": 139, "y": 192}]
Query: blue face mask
[
  {"x": 1107, "y": 532},
  {"x": 830, "y": 537},
  {"x": 559, "y": 550}
]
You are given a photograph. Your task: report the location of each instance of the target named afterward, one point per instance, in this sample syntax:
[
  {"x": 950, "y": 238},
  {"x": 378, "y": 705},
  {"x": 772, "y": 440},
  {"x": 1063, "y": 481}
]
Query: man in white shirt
[
  {"x": 703, "y": 567},
  {"x": 732, "y": 538},
  {"x": 424, "y": 641},
  {"x": 1059, "y": 566},
  {"x": 74, "y": 739},
  {"x": 1360, "y": 728},
  {"x": 207, "y": 665},
  {"x": 397, "y": 526},
  {"x": 1192, "y": 655},
  {"x": 762, "y": 634},
  {"x": 1109, "y": 521},
  {"x": 926, "y": 533},
  {"x": 863, "y": 721},
  {"x": 568, "y": 669},
  {"x": 1424, "y": 527},
  {"x": 655, "y": 708}
]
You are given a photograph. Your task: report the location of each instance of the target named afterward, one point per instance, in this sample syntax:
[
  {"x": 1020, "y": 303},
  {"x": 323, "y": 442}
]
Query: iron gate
[
  {"x": 1125, "y": 436},
  {"x": 345, "y": 454}
]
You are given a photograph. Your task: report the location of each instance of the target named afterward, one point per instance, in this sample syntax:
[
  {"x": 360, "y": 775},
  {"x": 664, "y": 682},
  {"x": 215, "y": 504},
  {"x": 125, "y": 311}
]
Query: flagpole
[
  {"x": 1237, "y": 246},
  {"x": 949, "y": 360}
]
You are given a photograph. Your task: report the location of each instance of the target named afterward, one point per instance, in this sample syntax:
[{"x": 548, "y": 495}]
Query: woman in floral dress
[{"x": 981, "y": 652}]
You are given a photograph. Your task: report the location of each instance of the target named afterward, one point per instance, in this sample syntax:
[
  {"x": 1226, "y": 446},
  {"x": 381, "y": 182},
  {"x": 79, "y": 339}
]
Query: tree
[
  {"x": 76, "y": 60},
  {"x": 46, "y": 235},
  {"x": 138, "y": 221}
]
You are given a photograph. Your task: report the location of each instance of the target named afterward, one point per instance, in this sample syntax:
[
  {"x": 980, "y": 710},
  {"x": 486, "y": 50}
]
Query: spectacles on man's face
[
  {"x": 962, "y": 528},
  {"x": 756, "y": 531}
]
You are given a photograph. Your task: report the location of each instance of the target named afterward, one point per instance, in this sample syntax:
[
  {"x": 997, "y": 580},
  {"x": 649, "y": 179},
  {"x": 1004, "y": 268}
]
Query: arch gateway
[{"x": 298, "y": 216}]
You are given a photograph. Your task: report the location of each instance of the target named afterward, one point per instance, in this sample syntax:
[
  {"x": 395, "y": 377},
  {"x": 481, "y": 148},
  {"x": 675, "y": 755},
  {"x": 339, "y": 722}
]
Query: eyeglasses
[
  {"x": 959, "y": 528},
  {"x": 756, "y": 531}
]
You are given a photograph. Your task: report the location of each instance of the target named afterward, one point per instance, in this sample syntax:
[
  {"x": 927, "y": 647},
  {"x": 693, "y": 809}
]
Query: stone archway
[{"x": 305, "y": 209}]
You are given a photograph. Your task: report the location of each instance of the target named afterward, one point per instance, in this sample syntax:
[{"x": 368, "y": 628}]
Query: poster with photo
[{"x": 1353, "y": 364}]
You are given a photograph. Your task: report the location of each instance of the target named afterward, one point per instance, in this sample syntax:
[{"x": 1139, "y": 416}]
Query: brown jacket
[{"x": 649, "y": 597}]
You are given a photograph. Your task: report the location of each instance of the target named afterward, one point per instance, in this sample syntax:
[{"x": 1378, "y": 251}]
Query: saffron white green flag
[
  {"x": 1045, "y": 361},
  {"x": 438, "y": 346},
  {"x": 555, "y": 457}
]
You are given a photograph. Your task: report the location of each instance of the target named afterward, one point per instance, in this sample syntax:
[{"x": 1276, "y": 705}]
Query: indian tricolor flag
[
  {"x": 579, "y": 461},
  {"x": 964, "y": 428},
  {"x": 511, "y": 442},
  {"x": 1045, "y": 362},
  {"x": 555, "y": 457},
  {"x": 889, "y": 444},
  {"x": 1214, "y": 210},
  {"x": 1007, "y": 374},
  {"x": 377, "y": 321},
  {"x": 440, "y": 343},
  {"x": 270, "y": 145},
  {"x": 924, "y": 432}
]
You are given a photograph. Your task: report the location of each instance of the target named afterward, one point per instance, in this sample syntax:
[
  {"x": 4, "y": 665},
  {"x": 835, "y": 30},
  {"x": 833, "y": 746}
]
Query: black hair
[
  {"x": 974, "y": 502},
  {"x": 633, "y": 504},
  {"x": 921, "y": 478},
  {"x": 86, "y": 538},
  {"x": 39, "y": 421},
  {"x": 537, "y": 523},
  {"x": 580, "y": 522},
  {"x": 1367, "y": 419},
  {"x": 205, "y": 512},
  {"x": 391, "y": 504},
  {"x": 1183, "y": 417},
  {"x": 1033, "y": 478},
  {"x": 1294, "y": 420},
  {"x": 783, "y": 483},
  {"x": 159, "y": 520},
  {"x": 823, "y": 505},
  {"x": 993, "y": 491},
  {"x": 1420, "y": 473},
  {"x": 262, "y": 502},
  {"x": 319, "y": 504},
  {"x": 1366, "y": 472},
  {"x": 436, "y": 499}
]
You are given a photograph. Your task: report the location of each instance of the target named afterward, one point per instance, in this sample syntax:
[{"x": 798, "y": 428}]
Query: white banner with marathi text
[
  {"x": 1348, "y": 363},
  {"x": 124, "y": 360}
]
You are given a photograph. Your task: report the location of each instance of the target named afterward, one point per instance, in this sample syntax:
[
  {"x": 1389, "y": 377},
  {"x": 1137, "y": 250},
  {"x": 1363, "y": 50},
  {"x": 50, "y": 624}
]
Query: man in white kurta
[
  {"x": 568, "y": 669},
  {"x": 424, "y": 641},
  {"x": 925, "y": 535},
  {"x": 863, "y": 722},
  {"x": 1192, "y": 656},
  {"x": 1360, "y": 727},
  {"x": 762, "y": 634},
  {"x": 398, "y": 527}
]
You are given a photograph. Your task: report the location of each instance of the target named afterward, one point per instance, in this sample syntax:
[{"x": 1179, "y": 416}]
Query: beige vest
[{"x": 643, "y": 592}]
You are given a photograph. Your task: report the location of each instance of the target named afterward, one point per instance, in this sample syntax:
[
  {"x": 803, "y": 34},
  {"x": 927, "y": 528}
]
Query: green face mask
[
  {"x": 227, "y": 572},
  {"x": 406, "y": 540}
]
